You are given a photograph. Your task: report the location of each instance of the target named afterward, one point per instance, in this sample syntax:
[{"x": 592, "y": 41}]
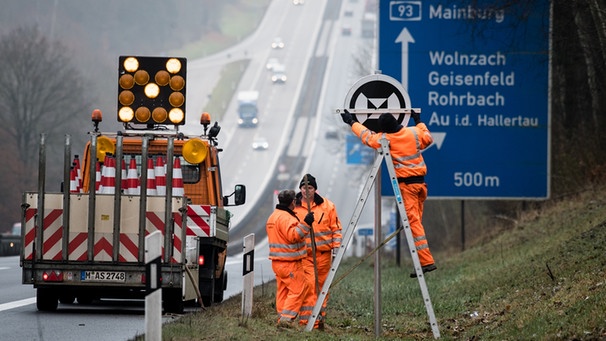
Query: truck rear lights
[
  {"x": 201, "y": 260},
  {"x": 52, "y": 276}
]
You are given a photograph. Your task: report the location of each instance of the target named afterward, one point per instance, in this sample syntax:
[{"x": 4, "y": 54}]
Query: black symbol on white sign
[{"x": 372, "y": 93}]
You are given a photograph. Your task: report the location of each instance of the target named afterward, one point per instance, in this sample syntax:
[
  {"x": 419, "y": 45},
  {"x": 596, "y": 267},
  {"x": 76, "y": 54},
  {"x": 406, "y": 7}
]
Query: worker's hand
[
  {"x": 309, "y": 218},
  {"x": 347, "y": 118},
  {"x": 415, "y": 116}
]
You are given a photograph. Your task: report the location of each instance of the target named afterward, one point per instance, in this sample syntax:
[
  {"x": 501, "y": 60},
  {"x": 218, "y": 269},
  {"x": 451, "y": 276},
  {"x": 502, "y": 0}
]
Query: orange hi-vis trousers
[
  {"x": 414, "y": 196},
  {"x": 291, "y": 287},
  {"x": 324, "y": 262}
]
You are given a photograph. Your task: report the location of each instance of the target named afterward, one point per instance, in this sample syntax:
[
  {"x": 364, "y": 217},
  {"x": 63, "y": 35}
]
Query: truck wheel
[
  {"x": 173, "y": 302},
  {"x": 220, "y": 286},
  {"x": 46, "y": 299}
]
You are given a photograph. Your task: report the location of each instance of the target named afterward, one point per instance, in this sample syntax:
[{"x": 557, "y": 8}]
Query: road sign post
[
  {"x": 153, "y": 299},
  {"x": 481, "y": 74}
]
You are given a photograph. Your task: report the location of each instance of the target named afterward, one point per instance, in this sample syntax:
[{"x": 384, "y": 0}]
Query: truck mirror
[{"x": 239, "y": 196}]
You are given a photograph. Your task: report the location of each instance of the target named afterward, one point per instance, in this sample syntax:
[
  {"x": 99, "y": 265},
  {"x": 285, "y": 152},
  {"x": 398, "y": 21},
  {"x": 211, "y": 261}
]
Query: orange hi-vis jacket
[
  {"x": 327, "y": 228},
  {"x": 405, "y": 146},
  {"x": 286, "y": 235}
]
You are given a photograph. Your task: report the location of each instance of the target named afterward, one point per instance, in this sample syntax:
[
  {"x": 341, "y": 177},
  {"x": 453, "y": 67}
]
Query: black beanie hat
[
  {"x": 388, "y": 123},
  {"x": 310, "y": 181}
]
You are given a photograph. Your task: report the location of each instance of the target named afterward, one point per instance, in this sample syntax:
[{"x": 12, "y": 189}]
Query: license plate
[{"x": 102, "y": 276}]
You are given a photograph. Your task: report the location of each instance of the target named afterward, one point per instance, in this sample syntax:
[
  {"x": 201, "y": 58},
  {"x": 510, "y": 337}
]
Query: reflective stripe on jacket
[
  {"x": 286, "y": 235},
  {"x": 327, "y": 227},
  {"x": 405, "y": 146}
]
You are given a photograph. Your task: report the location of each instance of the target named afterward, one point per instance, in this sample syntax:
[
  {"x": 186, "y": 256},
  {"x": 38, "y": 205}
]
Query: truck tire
[
  {"x": 173, "y": 302},
  {"x": 220, "y": 286},
  {"x": 46, "y": 299}
]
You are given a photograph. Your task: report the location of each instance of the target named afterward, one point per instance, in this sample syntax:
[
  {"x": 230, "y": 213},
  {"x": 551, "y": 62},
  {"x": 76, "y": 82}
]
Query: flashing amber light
[
  {"x": 176, "y": 99},
  {"x": 177, "y": 83},
  {"x": 126, "y": 97},
  {"x": 162, "y": 78},
  {"x": 141, "y": 77},
  {"x": 159, "y": 115},
  {"x": 97, "y": 116},
  {"x": 205, "y": 118},
  {"x": 131, "y": 64},
  {"x": 142, "y": 114},
  {"x": 152, "y": 90},
  {"x": 127, "y": 81},
  {"x": 176, "y": 115},
  {"x": 126, "y": 114},
  {"x": 173, "y": 65}
]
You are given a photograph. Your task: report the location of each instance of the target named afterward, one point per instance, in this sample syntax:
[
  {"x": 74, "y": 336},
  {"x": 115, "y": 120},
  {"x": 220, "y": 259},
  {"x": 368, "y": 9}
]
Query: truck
[
  {"x": 247, "y": 108},
  {"x": 86, "y": 242}
]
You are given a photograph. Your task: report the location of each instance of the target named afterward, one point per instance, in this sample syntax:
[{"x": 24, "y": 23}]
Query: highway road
[{"x": 294, "y": 118}]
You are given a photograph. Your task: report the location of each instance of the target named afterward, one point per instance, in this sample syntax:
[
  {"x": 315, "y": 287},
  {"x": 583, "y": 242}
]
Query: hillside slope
[{"x": 543, "y": 279}]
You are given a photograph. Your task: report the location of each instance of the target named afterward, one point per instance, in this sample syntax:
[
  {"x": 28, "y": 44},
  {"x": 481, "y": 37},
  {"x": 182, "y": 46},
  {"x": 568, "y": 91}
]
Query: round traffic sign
[{"x": 372, "y": 93}]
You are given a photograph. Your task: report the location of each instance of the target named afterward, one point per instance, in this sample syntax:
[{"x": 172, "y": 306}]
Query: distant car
[
  {"x": 260, "y": 143},
  {"x": 271, "y": 62},
  {"x": 346, "y": 30},
  {"x": 331, "y": 133},
  {"x": 279, "y": 74},
  {"x": 298, "y": 2},
  {"x": 277, "y": 43},
  {"x": 348, "y": 12}
]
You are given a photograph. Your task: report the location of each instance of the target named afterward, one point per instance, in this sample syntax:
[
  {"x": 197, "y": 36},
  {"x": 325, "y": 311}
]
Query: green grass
[
  {"x": 544, "y": 279},
  {"x": 231, "y": 74}
]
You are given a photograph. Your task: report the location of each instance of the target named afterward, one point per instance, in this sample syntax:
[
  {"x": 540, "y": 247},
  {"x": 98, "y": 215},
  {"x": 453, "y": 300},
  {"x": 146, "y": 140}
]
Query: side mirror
[{"x": 239, "y": 196}]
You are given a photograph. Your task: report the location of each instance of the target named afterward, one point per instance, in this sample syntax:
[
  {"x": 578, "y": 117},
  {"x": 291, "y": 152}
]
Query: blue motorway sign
[
  {"x": 480, "y": 74},
  {"x": 357, "y": 153}
]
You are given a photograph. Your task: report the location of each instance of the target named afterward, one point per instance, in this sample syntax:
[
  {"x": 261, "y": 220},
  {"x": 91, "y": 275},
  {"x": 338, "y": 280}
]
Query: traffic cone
[
  {"x": 108, "y": 177},
  {"x": 133, "y": 186},
  {"x": 151, "y": 178},
  {"x": 98, "y": 177},
  {"x": 73, "y": 182},
  {"x": 123, "y": 180},
  {"x": 78, "y": 173},
  {"x": 160, "y": 174},
  {"x": 177, "y": 179}
]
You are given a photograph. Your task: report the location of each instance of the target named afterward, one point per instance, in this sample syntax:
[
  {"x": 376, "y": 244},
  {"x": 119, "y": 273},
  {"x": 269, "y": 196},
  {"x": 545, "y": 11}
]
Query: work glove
[
  {"x": 347, "y": 118},
  {"x": 415, "y": 116},
  {"x": 309, "y": 218}
]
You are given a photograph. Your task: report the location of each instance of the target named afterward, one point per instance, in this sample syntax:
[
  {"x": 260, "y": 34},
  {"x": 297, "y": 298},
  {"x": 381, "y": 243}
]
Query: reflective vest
[
  {"x": 327, "y": 227},
  {"x": 286, "y": 235},
  {"x": 405, "y": 146}
]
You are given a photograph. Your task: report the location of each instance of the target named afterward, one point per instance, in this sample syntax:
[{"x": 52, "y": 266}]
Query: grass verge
[{"x": 543, "y": 279}]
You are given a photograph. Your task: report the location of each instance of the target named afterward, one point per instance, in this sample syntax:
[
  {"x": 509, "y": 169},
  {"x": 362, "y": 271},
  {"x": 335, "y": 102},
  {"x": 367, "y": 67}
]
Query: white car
[
  {"x": 260, "y": 143},
  {"x": 277, "y": 43},
  {"x": 271, "y": 62},
  {"x": 278, "y": 74},
  {"x": 298, "y": 2}
]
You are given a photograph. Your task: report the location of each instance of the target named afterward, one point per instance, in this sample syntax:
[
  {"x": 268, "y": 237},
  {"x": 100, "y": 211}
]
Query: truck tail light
[
  {"x": 201, "y": 260},
  {"x": 52, "y": 276}
]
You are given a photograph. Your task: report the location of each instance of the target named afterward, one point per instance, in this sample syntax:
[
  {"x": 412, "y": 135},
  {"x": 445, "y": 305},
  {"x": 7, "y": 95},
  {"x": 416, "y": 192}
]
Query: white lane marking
[{"x": 17, "y": 304}]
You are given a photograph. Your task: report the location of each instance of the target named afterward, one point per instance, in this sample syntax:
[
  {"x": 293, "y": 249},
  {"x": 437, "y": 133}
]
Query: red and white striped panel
[
  {"x": 52, "y": 234},
  {"x": 198, "y": 220},
  {"x": 177, "y": 242},
  {"x": 30, "y": 233}
]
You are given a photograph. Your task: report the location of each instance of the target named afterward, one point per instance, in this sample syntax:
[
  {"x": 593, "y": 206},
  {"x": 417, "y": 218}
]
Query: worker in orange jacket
[
  {"x": 328, "y": 238},
  {"x": 405, "y": 146},
  {"x": 286, "y": 237}
]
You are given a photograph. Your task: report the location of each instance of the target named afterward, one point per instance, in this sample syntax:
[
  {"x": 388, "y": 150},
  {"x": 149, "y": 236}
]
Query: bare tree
[{"x": 40, "y": 92}]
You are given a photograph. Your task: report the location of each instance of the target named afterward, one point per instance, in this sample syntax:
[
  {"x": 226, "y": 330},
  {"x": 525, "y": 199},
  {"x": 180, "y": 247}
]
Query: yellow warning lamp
[
  {"x": 194, "y": 151},
  {"x": 151, "y": 90},
  {"x": 104, "y": 146}
]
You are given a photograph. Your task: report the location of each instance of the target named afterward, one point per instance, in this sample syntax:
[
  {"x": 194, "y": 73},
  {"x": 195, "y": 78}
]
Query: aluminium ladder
[{"x": 384, "y": 154}]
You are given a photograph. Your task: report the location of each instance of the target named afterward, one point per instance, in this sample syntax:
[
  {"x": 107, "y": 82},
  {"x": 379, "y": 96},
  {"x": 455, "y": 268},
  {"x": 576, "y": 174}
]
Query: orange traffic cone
[
  {"x": 108, "y": 177},
  {"x": 132, "y": 179},
  {"x": 178, "y": 190},
  {"x": 151, "y": 178},
  {"x": 160, "y": 174},
  {"x": 73, "y": 182}
]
